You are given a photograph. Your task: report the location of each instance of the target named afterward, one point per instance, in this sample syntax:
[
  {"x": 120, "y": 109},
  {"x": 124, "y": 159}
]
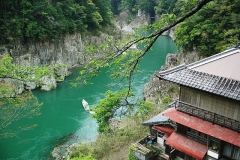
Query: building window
[
  {"x": 214, "y": 144},
  {"x": 231, "y": 151}
]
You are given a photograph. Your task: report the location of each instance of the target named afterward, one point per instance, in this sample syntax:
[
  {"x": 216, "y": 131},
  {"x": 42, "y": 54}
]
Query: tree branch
[{"x": 157, "y": 34}]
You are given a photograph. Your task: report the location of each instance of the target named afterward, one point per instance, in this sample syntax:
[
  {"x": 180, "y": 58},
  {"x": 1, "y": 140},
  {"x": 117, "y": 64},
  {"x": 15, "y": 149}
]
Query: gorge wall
[
  {"x": 68, "y": 50},
  {"x": 156, "y": 90}
]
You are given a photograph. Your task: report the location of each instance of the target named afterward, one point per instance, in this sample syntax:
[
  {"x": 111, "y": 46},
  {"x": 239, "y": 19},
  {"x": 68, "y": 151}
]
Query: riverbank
[
  {"x": 55, "y": 59},
  {"x": 62, "y": 113},
  {"x": 115, "y": 145},
  {"x": 130, "y": 129}
]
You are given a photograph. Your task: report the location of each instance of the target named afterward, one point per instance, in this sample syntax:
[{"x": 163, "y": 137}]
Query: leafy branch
[{"x": 122, "y": 61}]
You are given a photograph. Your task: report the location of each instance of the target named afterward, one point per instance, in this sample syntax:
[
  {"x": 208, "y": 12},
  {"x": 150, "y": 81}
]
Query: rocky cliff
[
  {"x": 156, "y": 90},
  {"x": 66, "y": 53}
]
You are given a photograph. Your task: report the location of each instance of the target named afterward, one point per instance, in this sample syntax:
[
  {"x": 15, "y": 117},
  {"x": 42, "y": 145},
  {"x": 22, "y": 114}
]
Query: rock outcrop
[
  {"x": 156, "y": 90},
  {"x": 59, "y": 56},
  {"x": 127, "y": 25}
]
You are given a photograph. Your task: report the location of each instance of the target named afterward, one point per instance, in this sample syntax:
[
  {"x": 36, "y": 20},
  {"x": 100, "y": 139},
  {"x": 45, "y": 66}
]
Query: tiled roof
[
  {"x": 158, "y": 119},
  {"x": 218, "y": 85},
  {"x": 210, "y": 83}
]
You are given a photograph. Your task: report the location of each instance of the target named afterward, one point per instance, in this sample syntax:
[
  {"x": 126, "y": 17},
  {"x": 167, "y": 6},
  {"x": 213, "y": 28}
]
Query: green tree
[
  {"x": 164, "y": 6},
  {"x": 25, "y": 20},
  {"x": 212, "y": 29},
  {"x": 123, "y": 64},
  {"x": 147, "y": 6},
  {"x": 104, "y": 10},
  {"x": 107, "y": 107}
]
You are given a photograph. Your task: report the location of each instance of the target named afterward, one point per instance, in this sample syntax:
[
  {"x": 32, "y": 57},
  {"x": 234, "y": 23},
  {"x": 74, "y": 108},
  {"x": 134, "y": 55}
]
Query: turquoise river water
[{"x": 63, "y": 119}]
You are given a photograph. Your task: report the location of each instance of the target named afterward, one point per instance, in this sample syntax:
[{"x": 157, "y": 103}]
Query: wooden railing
[
  {"x": 197, "y": 138},
  {"x": 206, "y": 115}
]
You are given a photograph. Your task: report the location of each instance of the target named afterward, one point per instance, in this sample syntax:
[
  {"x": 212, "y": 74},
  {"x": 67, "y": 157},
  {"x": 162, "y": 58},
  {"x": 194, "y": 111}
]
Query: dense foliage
[
  {"x": 48, "y": 20},
  {"x": 32, "y": 74},
  {"x": 105, "y": 110},
  {"x": 212, "y": 29},
  {"x": 133, "y": 6},
  {"x": 115, "y": 145},
  {"x": 152, "y": 7},
  {"x": 165, "y": 6}
]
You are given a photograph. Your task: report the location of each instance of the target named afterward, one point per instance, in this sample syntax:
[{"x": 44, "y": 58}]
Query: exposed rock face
[
  {"x": 48, "y": 83},
  {"x": 13, "y": 86},
  {"x": 156, "y": 90},
  {"x": 30, "y": 85},
  {"x": 57, "y": 152},
  {"x": 67, "y": 51},
  {"x": 127, "y": 25}
]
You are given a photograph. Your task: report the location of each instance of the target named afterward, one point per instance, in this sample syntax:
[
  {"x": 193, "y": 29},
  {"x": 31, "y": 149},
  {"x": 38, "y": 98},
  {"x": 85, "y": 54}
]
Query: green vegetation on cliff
[
  {"x": 26, "y": 20},
  {"x": 212, "y": 29},
  {"x": 152, "y": 7}
]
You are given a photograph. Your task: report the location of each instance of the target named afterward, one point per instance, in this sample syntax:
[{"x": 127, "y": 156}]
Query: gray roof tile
[
  {"x": 158, "y": 119},
  {"x": 203, "y": 81}
]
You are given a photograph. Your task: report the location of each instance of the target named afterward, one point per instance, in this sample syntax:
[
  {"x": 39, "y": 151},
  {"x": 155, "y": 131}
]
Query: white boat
[{"x": 85, "y": 105}]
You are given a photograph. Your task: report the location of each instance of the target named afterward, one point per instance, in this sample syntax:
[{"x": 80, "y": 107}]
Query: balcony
[
  {"x": 142, "y": 150},
  {"x": 197, "y": 138},
  {"x": 206, "y": 115}
]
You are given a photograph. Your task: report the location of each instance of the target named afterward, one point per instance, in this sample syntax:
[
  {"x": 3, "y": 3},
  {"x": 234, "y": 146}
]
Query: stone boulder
[
  {"x": 47, "y": 83},
  {"x": 30, "y": 85},
  {"x": 13, "y": 87}
]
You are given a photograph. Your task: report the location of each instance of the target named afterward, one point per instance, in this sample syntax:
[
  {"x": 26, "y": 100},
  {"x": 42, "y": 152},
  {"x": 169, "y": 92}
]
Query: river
[{"x": 63, "y": 118}]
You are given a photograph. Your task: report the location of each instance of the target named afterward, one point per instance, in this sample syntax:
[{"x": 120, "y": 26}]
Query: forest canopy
[
  {"x": 50, "y": 19},
  {"x": 212, "y": 29}
]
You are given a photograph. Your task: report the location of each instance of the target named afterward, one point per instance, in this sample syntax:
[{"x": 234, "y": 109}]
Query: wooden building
[{"x": 206, "y": 117}]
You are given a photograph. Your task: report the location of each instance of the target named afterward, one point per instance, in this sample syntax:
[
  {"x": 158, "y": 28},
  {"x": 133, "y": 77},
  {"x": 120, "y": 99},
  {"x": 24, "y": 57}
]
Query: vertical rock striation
[
  {"x": 156, "y": 90},
  {"x": 65, "y": 53}
]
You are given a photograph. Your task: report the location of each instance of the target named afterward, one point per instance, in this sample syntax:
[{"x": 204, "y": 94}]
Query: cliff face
[
  {"x": 67, "y": 51},
  {"x": 156, "y": 90}
]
